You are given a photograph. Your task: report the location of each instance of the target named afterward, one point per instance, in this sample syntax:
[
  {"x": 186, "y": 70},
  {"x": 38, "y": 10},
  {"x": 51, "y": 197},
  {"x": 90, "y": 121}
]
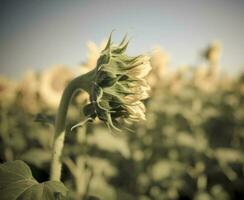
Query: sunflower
[
  {"x": 52, "y": 84},
  {"x": 89, "y": 64},
  {"x": 7, "y": 91},
  {"x": 213, "y": 52},
  {"x": 160, "y": 72},
  {"x": 92, "y": 54},
  {"x": 118, "y": 86},
  {"x": 28, "y": 93}
]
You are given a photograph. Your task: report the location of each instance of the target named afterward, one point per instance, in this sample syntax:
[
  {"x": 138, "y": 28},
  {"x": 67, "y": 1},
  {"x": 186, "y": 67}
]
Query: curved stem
[{"x": 81, "y": 82}]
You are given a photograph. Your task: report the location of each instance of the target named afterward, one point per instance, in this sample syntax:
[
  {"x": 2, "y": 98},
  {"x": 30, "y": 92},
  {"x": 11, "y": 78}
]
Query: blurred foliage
[{"x": 190, "y": 147}]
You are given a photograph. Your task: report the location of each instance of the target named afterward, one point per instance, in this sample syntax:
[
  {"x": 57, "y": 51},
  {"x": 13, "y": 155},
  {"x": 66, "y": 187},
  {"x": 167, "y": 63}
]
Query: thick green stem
[{"x": 81, "y": 82}]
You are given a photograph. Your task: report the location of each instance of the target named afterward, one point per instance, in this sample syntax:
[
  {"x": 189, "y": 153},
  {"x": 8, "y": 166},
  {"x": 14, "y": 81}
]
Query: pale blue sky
[{"x": 34, "y": 34}]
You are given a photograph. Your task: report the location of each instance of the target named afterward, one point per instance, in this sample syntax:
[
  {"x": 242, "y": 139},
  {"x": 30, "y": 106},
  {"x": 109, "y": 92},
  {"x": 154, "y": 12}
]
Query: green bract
[{"x": 118, "y": 86}]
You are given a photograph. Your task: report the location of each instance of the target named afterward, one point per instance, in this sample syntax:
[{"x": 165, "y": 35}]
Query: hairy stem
[{"x": 81, "y": 82}]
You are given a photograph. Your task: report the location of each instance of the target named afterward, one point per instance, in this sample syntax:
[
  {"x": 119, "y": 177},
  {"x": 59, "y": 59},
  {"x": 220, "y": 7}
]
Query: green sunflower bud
[{"x": 118, "y": 86}]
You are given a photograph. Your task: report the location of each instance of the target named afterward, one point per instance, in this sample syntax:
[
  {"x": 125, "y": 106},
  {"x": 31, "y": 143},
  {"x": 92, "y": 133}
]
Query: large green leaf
[{"x": 17, "y": 183}]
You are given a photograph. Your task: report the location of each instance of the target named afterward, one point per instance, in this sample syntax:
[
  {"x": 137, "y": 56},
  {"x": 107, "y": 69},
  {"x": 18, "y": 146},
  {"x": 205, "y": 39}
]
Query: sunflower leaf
[{"x": 17, "y": 183}]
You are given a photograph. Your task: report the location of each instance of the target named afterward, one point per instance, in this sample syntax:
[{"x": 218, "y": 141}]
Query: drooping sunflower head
[{"x": 118, "y": 86}]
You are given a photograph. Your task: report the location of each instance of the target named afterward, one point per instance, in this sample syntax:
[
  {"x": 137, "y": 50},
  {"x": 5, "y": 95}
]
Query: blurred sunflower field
[{"x": 191, "y": 145}]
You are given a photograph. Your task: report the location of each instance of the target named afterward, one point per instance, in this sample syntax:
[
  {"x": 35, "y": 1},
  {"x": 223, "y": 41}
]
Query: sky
[{"x": 36, "y": 34}]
